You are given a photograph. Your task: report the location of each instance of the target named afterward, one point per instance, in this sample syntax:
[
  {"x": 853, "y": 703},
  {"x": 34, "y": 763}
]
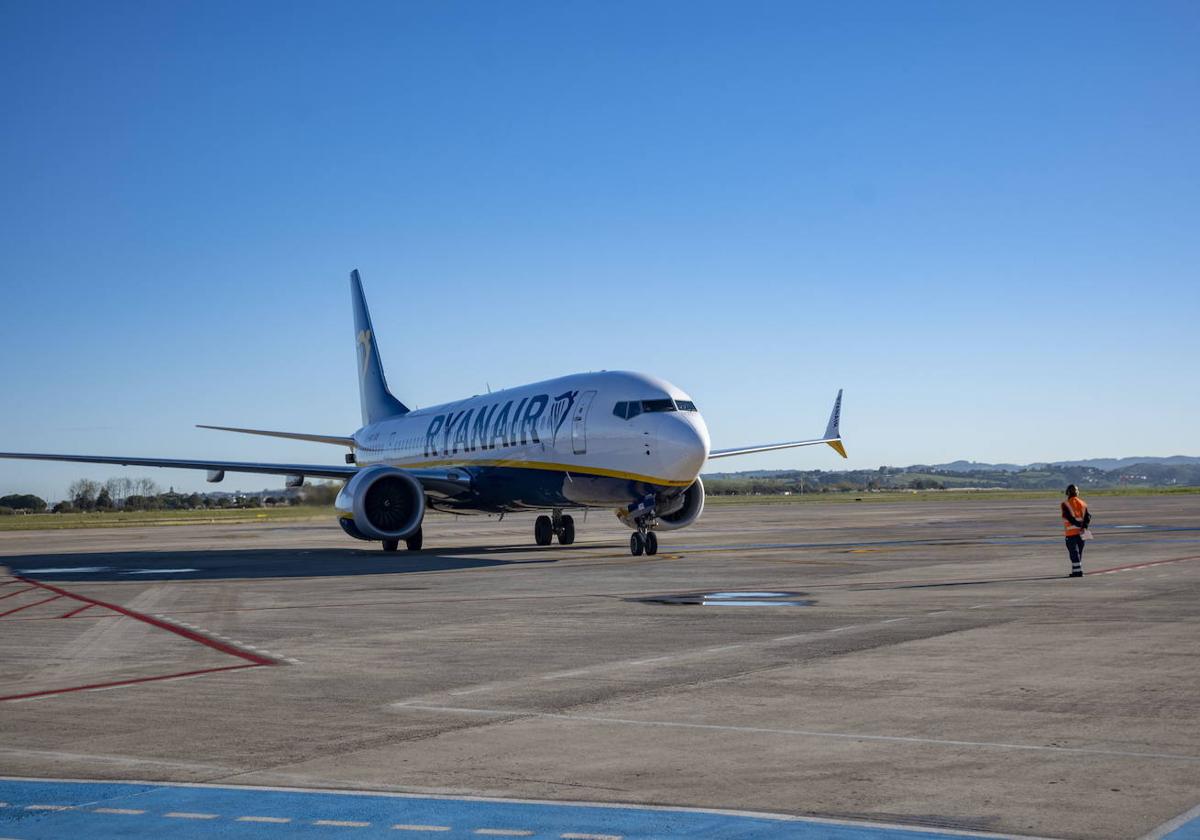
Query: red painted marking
[
  {"x": 1143, "y": 565},
  {"x": 163, "y": 625},
  {"x": 27, "y": 606},
  {"x": 77, "y": 611},
  {"x": 126, "y": 682},
  {"x": 18, "y": 592},
  {"x": 9, "y": 582}
]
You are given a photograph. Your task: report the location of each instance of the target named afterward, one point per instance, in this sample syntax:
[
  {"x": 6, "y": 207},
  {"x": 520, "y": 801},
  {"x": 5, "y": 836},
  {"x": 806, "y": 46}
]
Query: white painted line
[
  {"x": 665, "y": 809},
  {"x": 403, "y": 827},
  {"x": 804, "y": 733},
  {"x": 265, "y": 819},
  {"x": 343, "y": 823},
  {"x": 504, "y": 832},
  {"x": 49, "y": 807},
  {"x": 979, "y": 606},
  {"x": 651, "y": 659},
  {"x": 723, "y": 647},
  {"x": 940, "y": 612},
  {"x": 472, "y": 690},
  {"x": 1170, "y": 825},
  {"x": 894, "y": 620},
  {"x": 189, "y": 815},
  {"x": 117, "y": 811},
  {"x": 840, "y": 629},
  {"x": 571, "y": 835}
]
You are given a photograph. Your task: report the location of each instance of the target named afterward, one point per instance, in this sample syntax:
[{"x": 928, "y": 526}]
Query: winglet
[{"x": 833, "y": 435}]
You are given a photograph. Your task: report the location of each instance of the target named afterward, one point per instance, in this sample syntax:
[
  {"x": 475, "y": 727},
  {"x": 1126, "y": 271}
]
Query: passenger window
[{"x": 619, "y": 409}]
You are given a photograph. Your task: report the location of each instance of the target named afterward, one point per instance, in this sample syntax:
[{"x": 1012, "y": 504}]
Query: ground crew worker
[{"x": 1076, "y": 517}]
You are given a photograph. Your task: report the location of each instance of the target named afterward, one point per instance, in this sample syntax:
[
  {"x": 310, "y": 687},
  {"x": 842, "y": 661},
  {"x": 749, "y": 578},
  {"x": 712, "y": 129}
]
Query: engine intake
[
  {"x": 689, "y": 508},
  {"x": 381, "y": 503}
]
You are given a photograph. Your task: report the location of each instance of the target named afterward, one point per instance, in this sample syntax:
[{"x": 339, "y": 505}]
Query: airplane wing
[
  {"x": 337, "y": 440},
  {"x": 447, "y": 483},
  {"x": 315, "y": 470},
  {"x": 832, "y": 436}
]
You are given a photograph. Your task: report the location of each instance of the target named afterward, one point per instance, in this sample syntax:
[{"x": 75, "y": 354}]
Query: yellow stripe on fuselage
[{"x": 544, "y": 465}]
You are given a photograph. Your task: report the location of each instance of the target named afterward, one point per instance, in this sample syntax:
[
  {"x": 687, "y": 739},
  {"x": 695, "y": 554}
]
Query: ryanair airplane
[{"x": 624, "y": 441}]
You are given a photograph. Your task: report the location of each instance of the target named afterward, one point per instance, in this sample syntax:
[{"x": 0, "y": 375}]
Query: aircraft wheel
[
  {"x": 391, "y": 545},
  {"x": 651, "y": 542},
  {"x": 636, "y": 544},
  {"x": 566, "y": 535},
  {"x": 543, "y": 530},
  {"x": 415, "y": 541}
]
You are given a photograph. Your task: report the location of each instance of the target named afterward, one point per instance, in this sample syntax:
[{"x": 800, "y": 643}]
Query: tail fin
[{"x": 377, "y": 401}]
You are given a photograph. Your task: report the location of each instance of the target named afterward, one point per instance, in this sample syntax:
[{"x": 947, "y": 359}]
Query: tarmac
[{"x": 905, "y": 669}]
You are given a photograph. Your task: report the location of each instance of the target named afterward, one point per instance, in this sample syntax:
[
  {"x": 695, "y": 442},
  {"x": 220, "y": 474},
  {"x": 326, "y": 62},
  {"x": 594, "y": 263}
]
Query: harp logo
[{"x": 364, "y": 352}]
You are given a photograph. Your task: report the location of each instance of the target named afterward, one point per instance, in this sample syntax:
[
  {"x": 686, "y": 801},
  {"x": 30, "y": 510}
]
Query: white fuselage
[{"x": 567, "y": 426}]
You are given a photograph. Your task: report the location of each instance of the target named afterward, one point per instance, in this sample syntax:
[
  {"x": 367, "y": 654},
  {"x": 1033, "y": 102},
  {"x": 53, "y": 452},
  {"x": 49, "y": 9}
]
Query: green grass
[
  {"x": 58, "y": 521},
  {"x": 939, "y": 495}
]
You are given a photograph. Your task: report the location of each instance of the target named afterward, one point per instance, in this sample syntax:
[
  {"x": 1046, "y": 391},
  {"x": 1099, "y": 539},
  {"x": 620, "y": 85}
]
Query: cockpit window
[
  {"x": 619, "y": 409},
  {"x": 658, "y": 405},
  {"x": 685, "y": 405},
  {"x": 635, "y": 408}
]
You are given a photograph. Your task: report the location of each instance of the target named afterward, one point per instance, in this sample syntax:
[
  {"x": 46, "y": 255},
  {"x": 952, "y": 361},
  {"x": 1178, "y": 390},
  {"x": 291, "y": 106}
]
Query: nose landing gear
[
  {"x": 641, "y": 516},
  {"x": 643, "y": 540},
  {"x": 546, "y": 528}
]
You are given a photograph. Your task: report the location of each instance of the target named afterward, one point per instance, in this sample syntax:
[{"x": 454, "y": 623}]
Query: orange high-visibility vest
[{"x": 1078, "y": 508}]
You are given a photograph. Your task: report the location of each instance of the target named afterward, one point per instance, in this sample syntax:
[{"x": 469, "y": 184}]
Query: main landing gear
[
  {"x": 546, "y": 528},
  {"x": 412, "y": 543}
]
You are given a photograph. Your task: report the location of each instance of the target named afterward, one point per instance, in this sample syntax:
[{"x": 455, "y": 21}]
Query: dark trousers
[{"x": 1075, "y": 549}]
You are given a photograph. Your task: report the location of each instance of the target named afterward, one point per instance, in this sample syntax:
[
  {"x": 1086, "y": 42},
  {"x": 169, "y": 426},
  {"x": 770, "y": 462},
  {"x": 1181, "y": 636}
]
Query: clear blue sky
[{"x": 981, "y": 219}]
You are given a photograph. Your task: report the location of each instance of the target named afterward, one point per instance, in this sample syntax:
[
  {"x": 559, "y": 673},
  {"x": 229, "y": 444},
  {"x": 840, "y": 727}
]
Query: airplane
[{"x": 628, "y": 442}]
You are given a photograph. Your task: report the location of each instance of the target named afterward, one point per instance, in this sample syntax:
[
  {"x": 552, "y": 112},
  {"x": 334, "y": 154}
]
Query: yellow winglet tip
[{"x": 837, "y": 447}]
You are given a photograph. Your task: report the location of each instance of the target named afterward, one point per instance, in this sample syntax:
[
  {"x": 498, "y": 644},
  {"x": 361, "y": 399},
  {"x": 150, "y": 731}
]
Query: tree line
[{"x": 138, "y": 494}]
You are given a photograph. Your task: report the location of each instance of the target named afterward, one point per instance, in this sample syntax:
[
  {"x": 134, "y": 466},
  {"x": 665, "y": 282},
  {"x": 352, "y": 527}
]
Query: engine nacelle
[
  {"x": 381, "y": 503},
  {"x": 686, "y": 509},
  {"x": 680, "y": 512}
]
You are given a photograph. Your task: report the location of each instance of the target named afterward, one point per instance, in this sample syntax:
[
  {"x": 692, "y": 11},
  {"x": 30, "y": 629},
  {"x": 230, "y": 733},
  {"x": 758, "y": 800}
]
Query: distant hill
[
  {"x": 1173, "y": 471},
  {"x": 1097, "y": 463}
]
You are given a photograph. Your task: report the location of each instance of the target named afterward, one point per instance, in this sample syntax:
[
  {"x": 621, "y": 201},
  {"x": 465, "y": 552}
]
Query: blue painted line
[
  {"x": 20, "y": 819},
  {"x": 1190, "y": 830}
]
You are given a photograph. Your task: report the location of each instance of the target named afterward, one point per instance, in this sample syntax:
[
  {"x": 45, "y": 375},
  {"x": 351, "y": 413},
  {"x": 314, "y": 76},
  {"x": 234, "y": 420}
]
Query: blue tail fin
[{"x": 377, "y": 401}]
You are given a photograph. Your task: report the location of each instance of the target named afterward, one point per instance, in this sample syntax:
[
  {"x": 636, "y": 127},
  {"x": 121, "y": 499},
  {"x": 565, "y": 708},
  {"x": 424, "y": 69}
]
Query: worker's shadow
[{"x": 238, "y": 564}]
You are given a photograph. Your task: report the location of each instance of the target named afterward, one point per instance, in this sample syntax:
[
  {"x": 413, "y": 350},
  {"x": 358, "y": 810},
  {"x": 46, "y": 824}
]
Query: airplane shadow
[{"x": 239, "y": 564}]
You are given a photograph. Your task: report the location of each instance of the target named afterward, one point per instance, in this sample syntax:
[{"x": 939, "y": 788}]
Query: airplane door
[{"x": 579, "y": 422}]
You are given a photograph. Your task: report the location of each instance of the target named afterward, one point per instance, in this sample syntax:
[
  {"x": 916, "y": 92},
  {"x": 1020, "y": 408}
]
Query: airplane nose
[{"x": 684, "y": 445}]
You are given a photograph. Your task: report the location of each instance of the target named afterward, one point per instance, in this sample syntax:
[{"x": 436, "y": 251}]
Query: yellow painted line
[
  {"x": 117, "y": 811},
  {"x": 575, "y": 469},
  {"x": 403, "y": 827},
  {"x": 265, "y": 819},
  {"x": 343, "y": 823},
  {"x": 190, "y": 815}
]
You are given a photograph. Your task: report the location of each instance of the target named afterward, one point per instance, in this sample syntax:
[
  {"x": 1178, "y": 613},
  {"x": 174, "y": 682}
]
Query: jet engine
[
  {"x": 683, "y": 509},
  {"x": 679, "y": 512},
  {"x": 381, "y": 503}
]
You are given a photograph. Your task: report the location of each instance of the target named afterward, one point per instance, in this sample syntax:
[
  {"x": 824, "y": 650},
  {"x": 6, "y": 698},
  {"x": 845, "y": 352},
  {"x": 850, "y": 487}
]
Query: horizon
[{"x": 978, "y": 220}]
